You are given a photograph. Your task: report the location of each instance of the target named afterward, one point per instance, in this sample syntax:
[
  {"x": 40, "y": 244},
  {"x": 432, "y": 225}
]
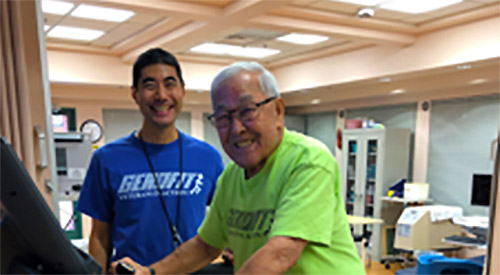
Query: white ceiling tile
[
  {"x": 118, "y": 34},
  {"x": 66, "y": 41},
  {"x": 88, "y": 23},
  {"x": 335, "y": 7},
  {"x": 416, "y": 19},
  {"x": 390, "y": 15},
  {"x": 484, "y": 1},
  {"x": 454, "y": 9},
  {"x": 144, "y": 18}
]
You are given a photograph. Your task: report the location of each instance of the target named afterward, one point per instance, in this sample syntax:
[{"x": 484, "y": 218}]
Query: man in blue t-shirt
[{"x": 147, "y": 192}]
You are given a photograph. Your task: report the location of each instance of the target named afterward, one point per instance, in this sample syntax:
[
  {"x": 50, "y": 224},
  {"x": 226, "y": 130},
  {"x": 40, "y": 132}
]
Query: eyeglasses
[{"x": 245, "y": 113}]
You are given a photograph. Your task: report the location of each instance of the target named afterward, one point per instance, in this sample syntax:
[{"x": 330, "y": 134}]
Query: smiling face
[
  {"x": 159, "y": 95},
  {"x": 249, "y": 143}
]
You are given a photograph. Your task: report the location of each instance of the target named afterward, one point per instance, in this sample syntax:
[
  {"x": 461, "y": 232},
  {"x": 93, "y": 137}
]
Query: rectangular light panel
[
  {"x": 74, "y": 33},
  {"x": 302, "y": 39},
  {"x": 56, "y": 7},
  {"x": 407, "y": 6},
  {"x": 225, "y": 49},
  {"x": 100, "y": 13},
  {"x": 418, "y": 6}
]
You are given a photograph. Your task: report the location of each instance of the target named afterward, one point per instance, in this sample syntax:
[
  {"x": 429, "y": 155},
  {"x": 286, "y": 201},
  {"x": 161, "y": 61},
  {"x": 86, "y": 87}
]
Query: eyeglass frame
[{"x": 231, "y": 113}]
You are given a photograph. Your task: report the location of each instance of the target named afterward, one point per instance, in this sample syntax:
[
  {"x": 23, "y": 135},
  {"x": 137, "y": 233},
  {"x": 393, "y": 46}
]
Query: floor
[{"x": 379, "y": 269}]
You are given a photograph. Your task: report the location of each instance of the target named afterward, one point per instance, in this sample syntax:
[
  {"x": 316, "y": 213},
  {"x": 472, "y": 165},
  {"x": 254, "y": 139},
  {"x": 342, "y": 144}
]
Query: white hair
[{"x": 267, "y": 81}]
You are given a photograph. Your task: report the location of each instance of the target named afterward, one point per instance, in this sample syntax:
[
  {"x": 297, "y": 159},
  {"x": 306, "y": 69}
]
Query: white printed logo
[{"x": 136, "y": 186}]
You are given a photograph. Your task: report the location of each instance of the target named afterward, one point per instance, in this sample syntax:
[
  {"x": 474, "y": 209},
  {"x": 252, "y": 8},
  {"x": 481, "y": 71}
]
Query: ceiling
[{"x": 180, "y": 25}]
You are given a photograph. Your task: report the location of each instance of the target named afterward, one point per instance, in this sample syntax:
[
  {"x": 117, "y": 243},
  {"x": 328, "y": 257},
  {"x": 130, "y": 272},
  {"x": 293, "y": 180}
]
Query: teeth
[
  {"x": 162, "y": 108},
  {"x": 243, "y": 144}
]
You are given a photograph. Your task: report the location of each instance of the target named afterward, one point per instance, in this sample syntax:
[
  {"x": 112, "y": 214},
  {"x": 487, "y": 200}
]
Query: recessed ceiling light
[
  {"x": 397, "y": 91},
  {"x": 56, "y": 7},
  {"x": 385, "y": 79},
  {"x": 477, "y": 81},
  {"x": 365, "y": 12},
  {"x": 226, "y": 49},
  {"x": 74, "y": 33},
  {"x": 464, "y": 67},
  {"x": 315, "y": 101},
  {"x": 417, "y": 6},
  {"x": 302, "y": 39},
  {"x": 100, "y": 13}
]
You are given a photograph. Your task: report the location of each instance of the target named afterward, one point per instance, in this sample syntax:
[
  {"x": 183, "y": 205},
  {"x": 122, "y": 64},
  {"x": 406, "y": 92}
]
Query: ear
[
  {"x": 133, "y": 93},
  {"x": 280, "y": 111},
  {"x": 183, "y": 87},
  {"x": 280, "y": 106}
]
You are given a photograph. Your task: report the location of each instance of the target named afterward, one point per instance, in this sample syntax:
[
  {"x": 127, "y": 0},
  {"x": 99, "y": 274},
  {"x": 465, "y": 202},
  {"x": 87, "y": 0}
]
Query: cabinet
[{"x": 372, "y": 161}]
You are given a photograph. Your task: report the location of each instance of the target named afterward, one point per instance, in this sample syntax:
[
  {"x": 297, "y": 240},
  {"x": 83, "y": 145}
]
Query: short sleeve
[
  {"x": 218, "y": 167},
  {"x": 96, "y": 194},
  {"x": 212, "y": 230},
  {"x": 305, "y": 208}
]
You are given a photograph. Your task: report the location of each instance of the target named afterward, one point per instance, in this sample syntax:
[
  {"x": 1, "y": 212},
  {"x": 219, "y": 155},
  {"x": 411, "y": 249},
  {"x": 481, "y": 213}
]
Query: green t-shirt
[{"x": 296, "y": 194}]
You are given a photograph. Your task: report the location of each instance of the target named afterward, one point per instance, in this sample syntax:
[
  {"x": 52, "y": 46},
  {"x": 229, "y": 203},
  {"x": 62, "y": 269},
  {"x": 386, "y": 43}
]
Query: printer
[{"x": 425, "y": 227}]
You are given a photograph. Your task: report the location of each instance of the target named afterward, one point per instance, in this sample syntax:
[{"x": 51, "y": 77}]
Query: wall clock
[{"x": 93, "y": 128}]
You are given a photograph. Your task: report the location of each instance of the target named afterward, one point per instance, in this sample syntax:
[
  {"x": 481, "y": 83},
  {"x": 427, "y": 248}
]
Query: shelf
[
  {"x": 352, "y": 154},
  {"x": 353, "y": 179},
  {"x": 370, "y": 180},
  {"x": 402, "y": 200},
  {"x": 369, "y": 204},
  {"x": 372, "y": 154}
]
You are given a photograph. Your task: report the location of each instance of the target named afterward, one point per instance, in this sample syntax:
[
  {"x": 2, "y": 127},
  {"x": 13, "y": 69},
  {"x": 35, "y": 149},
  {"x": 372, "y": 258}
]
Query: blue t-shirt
[{"x": 119, "y": 188}]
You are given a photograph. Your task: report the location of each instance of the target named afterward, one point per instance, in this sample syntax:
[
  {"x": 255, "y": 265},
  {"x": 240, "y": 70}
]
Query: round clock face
[{"x": 93, "y": 128}]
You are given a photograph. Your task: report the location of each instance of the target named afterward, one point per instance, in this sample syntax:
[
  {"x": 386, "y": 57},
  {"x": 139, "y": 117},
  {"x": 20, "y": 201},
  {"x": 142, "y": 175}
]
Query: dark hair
[{"x": 152, "y": 57}]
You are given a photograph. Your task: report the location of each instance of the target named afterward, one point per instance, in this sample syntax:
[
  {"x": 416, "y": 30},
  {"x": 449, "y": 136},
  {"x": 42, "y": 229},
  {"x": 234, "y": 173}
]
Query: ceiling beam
[
  {"x": 150, "y": 33},
  {"x": 449, "y": 78},
  {"x": 171, "y": 8},
  {"x": 388, "y": 99},
  {"x": 328, "y": 51},
  {"x": 348, "y": 32},
  {"x": 462, "y": 18},
  {"x": 337, "y": 18},
  {"x": 203, "y": 59},
  {"x": 171, "y": 36},
  {"x": 56, "y": 46}
]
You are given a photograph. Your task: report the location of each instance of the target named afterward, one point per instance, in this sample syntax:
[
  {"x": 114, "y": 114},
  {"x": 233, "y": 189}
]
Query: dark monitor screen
[
  {"x": 481, "y": 190},
  {"x": 31, "y": 238}
]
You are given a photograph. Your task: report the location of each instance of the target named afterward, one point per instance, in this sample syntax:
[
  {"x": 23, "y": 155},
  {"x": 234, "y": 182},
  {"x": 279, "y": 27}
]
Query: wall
[
  {"x": 211, "y": 136},
  {"x": 461, "y": 44},
  {"x": 113, "y": 71},
  {"x": 295, "y": 123},
  {"x": 323, "y": 126},
  {"x": 459, "y": 141},
  {"x": 118, "y": 123},
  {"x": 38, "y": 104},
  {"x": 461, "y": 132},
  {"x": 91, "y": 100}
]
